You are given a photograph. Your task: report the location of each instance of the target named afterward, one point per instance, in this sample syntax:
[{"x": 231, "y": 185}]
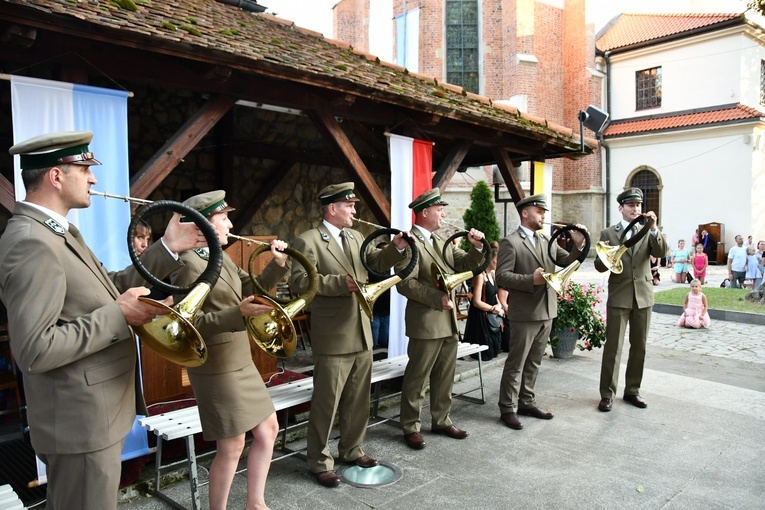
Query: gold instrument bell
[
  {"x": 557, "y": 281},
  {"x": 447, "y": 282},
  {"x": 611, "y": 255}
]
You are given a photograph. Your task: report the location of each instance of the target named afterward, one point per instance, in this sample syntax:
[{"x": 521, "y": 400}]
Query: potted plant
[{"x": 579, "y": 322}]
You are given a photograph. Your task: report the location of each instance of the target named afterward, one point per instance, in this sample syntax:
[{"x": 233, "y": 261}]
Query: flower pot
[{"x": 566, "y": 343}]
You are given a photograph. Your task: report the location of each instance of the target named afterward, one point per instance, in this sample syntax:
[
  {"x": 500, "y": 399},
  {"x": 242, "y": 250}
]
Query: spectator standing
[
  {"x": 484, "y": 303},
  {"x": 680, "y": 258},
  {"x": 753, "y": 270},
  {"x": 700, "y": 263},
  {"x": 695, "y": 238},
  {"x": 737, "y": 264}
]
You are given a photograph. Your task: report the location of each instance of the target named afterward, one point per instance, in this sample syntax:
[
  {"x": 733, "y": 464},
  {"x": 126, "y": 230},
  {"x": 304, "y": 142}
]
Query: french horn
[
  {"x": 274, "y": 331},
  {"x": 611, "y": 255},
  {"x": 447, "y": 282},
  {"x": 173, "y": 335},
  {"x": 557, "y": 281},
  {"x": 368, "y": 293}
]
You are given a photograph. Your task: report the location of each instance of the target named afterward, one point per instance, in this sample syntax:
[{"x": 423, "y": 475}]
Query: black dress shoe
[
  {"x": 636, "y": 400},
  {"x": 414, "y": 440},
  {"x": 327, "y": 478},
  {"x": 536, "y": 413},
  {"x": 606, "y": 404},
  {"x": 452, "y": 432},
  {"x": 365, "y": 461},
  {"x": 511, "y": 420}
]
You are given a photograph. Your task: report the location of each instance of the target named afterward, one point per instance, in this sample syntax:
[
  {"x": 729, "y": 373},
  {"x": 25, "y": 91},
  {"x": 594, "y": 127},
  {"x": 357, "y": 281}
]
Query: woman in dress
[
  {"x": 229, "y": 390},
  {"x": 484, "y": 302}
]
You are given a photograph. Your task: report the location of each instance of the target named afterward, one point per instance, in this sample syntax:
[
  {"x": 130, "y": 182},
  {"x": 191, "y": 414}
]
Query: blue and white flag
[{"x": 44, "y": 106}]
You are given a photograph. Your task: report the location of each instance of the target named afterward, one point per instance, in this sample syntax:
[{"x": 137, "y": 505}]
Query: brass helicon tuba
[
  {"x": 369, "y": 292},
  {"x": 447, "y": 282},
  {"x": 611, "y": 255},
  {"x": 274, "y": 331},
  {"x": 557, "y": 281},
  {"x": 173, "y": 336}
]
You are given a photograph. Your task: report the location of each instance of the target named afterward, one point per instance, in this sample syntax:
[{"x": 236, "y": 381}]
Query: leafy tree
[
  {"x": 481, "y": 215},
  {"x": 757, "y": 5}
]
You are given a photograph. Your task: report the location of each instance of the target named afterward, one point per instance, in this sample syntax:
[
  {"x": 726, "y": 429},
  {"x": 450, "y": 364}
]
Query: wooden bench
[
  {"x": 9, "y": 500},
  {"x": 185, "y": 423}
]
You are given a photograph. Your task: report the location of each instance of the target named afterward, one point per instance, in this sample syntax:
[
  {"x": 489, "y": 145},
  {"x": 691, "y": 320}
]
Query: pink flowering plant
[{"x": 578, "y": 309}]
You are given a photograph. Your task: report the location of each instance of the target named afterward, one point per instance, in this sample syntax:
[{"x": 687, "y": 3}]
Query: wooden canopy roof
[{"x": 230, "y": 55}]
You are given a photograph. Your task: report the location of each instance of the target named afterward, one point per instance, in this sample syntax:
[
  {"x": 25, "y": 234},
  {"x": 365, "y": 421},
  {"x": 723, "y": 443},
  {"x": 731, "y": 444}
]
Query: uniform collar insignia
[
  {"x": 522, "y": 233},
  {"x": 618, "y": 227},
  {"x": 203, "y": 254},
  {"x": 55, "y": 226},
  {"x": 418, "y": 235},
  {"x": 348, "y": 233},
  {"x": 435, "y": 236},
  {"x": 325, "y": 236}
]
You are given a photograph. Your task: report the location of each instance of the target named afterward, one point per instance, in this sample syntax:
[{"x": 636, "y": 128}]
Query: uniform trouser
[
  {"x": 84, "y": 480},
  {"x": 639, "y": 320},
  {"x": 528, "y": 341},
  {"x": 434, "y": 359},
  {"x": 341, "y": 383}
]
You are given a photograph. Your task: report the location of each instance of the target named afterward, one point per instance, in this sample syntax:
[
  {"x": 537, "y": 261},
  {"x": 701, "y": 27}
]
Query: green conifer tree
[{"x": 481, "y": 215}]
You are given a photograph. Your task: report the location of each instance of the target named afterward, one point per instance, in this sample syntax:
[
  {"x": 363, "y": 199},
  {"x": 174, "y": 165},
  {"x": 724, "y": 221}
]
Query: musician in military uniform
[
  {"x": 70, "y": 326},
  {"x": 341, "y": 333},
  {"x": 523, "y": 258},
  {"x": 229, "y": 390},
  {"x": 630, "y": 301},
  {"x": 431, "y": 323}
]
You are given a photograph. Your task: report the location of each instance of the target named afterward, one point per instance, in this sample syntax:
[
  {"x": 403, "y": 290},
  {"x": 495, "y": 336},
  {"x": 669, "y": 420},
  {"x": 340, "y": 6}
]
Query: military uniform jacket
[
  {"x": 424, "y": 316},
  {"x": 220, "y": 322},
  {"x": 338, "y": 325},
  {"x": 517, "y": 261},
  {"x": 633, "y": 288},
  {"x": 68, "y": 334}
]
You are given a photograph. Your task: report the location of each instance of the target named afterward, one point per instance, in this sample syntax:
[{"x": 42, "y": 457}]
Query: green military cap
[
  {"x": 342, "y": 192},
  {"x": 51, "y": 149},
  {"x": 539, "y": 200},
  {"x": 427, "y": 199},
  {"x": 630, "y": 195},
  {"x": 208, "y": 203}
]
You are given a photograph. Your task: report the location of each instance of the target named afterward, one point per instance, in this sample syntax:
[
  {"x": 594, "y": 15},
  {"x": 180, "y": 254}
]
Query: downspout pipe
[{"x": 606, "y": 57}]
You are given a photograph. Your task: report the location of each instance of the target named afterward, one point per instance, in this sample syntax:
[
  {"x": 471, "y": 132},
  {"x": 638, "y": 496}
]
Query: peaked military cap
[
  {"x": 342, "y": 192},
  {"x": 51, "y": 149},
  {"x": 208, "y": 203},
  {"x": 630, "y": 195},
  {"x": 427, "y": 199},
  {"x": 539, "y": 200}
]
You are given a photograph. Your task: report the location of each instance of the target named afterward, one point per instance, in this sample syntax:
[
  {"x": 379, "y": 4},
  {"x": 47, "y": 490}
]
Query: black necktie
[
  {"x": 77, "y": 237},
  {"x": 346, "y": 246}
]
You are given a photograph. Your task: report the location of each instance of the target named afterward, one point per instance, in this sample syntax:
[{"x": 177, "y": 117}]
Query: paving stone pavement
[{"x": 699, "y": 444}]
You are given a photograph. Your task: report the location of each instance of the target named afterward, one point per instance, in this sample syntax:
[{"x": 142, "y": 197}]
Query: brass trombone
[
  {"x": 274, "y": 331},
  {"x": 557, "y": 281},
  {"x": 173, "y": 336},
  {"x": 447, "y": 282},
  {"x": 369, "y": 292},
  {"x": 611, "y": 255}
]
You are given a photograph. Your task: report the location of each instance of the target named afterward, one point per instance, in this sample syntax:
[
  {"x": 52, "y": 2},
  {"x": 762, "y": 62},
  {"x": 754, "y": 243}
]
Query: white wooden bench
[
  {"x": 185, "y": 423},
  {"x": 9, "y": 500}
]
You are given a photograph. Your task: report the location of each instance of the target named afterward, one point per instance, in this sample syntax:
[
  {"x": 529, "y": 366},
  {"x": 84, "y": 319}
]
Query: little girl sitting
[{"x": 695, "y": 314}]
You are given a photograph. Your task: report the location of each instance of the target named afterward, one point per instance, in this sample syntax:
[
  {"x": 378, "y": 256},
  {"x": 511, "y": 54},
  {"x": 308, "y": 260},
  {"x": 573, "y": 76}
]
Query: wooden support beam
[
  {"x": 7, "y": 194},
  {"x": 505, "y": 165},
  {"x": 181, "y": 143},
  {"x": 338, "y": 141},
  {"x": 451, "y": 163},
  {"x": 245, "y": 212}
]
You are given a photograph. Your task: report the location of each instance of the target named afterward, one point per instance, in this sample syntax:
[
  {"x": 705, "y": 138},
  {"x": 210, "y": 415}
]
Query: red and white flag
[{"x": 411, "y": 170}]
